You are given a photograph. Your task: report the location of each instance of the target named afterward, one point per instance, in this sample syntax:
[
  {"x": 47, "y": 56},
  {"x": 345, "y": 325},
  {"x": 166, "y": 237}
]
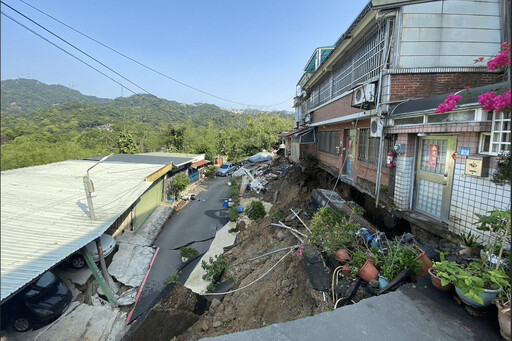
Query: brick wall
[
  {"x": 421, "y": 85},
  {"x": 338, "y": 108}
]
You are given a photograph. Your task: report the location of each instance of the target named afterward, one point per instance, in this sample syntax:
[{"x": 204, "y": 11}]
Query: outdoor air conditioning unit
[
  {"x": 308, "y": 118},
  {"x": 364, "y": 95},
  {"x": 376, "y": 126}
]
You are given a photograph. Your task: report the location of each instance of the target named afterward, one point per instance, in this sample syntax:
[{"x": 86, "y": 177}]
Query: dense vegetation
[{"x": 86, "y": 127}]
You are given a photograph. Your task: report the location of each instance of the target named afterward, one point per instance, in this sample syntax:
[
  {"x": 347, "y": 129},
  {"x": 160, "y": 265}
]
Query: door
[
  {"x": 350, "y": 135},
  {"x": 434, "y": 175}
]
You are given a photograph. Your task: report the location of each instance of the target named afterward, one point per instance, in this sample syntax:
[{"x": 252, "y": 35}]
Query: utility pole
[{"x": 89, "y": 187}]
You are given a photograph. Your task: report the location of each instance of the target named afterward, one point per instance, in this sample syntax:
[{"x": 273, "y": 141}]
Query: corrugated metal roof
[
  {"x": 45, "y": 216},
  {"x": 147, "y": 158}
]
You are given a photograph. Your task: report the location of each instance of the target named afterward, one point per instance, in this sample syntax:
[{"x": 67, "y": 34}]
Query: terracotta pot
[
  {"x": 368, "y": 271},
  {"x": 345, "y": 270},
  {"x": 342, "y": 255},
  {"x": 466, "y": 250},
  {"x": 504, "y": 320},
  {"x": 426, "y": 263},
  {"x": 436, "y": 282}
]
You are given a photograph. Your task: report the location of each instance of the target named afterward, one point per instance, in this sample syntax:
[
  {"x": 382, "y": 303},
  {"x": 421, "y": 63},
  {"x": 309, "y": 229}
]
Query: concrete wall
[{"x": 449, "y": 33}]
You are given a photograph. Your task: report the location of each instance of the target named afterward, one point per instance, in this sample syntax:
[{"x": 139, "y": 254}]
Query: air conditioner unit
[
  {"x": 364, "y": 94},
  {"x": 308, "y": 118},
  {"x": 376, "y": 126}
]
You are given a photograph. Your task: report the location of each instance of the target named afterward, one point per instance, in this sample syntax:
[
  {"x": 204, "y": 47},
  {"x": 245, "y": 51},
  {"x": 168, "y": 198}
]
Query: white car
[
  {"x": 107, "y": 242},
  {"x": 226, "y": 169}
]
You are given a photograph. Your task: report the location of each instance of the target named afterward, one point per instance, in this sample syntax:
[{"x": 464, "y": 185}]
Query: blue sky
[{"x": 251, "y": 52}]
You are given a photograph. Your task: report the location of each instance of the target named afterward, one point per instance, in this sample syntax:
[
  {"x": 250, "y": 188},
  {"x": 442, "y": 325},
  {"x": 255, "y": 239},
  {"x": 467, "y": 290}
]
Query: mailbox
[{"x": 477, "y": 165}]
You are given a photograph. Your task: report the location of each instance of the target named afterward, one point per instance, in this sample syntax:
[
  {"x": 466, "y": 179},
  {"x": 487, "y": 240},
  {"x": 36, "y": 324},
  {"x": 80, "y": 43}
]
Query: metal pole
[{"x": 89, "y": 188}]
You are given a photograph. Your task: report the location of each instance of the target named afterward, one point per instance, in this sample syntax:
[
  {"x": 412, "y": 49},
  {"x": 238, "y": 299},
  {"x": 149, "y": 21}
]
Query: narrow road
[{"x": 193, "y": 226}]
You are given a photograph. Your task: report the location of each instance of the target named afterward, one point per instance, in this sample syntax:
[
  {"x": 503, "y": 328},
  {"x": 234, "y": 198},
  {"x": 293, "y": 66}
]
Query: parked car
[
  {"x": 226, "y": 169},
  {"x": 40, "y": 303},
  {"x": 107, "y": 242}
]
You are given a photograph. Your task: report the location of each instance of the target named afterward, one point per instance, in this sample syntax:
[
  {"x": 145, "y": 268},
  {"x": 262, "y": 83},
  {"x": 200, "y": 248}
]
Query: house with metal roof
[
  {"x": 52, "y": 211},
  {"x": 393, "y": 53}
]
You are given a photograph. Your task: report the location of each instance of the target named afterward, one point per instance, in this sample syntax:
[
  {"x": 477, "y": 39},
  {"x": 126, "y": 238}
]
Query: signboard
[
  {"x": 432, "y": 158},
  {"x": 464, "y": 151}
]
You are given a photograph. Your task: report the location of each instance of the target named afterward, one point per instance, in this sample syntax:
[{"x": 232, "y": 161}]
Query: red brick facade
[
  {"x": 338, "y": 108},
  {"x": 421, "y": 85}
]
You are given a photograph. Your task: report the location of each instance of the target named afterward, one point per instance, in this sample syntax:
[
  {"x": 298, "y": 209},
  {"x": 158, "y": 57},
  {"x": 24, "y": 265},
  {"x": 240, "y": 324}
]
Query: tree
[
  {"x": 180, "y": 182},
  {"x": 126, "y": 144}
]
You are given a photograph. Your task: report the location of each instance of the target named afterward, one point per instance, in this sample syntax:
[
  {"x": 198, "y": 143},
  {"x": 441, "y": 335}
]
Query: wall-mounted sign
[
  {"x": 432, "y": 158},
  {"x": 464, "y": 151}
]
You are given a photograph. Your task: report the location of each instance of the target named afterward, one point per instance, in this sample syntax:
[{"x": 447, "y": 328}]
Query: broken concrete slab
[
  {"x": 130, "y": 264},
  {"x": 127, "y": 297},
  {"x": 87, "y": 322},
  {"x": 148, "y": 232},
  {"x": 76, "y": 276}
]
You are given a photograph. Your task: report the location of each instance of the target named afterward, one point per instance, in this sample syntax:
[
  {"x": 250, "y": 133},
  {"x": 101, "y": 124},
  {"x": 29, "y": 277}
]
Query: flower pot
[
  {"x": 382, "y": 282},
  {"x": 466, "y": 250},
  {"x": 426, "y": 263},
  {"x": 345, "y": 270},
  {"x": 436, "y": 282},
  {"x": 487, "y": 296},
  {"x": 184, "y": 259},
  {"x": 342, "y": 255},
  {"x": 368, "y": 271},
  {"x": 504, "y": 320}
]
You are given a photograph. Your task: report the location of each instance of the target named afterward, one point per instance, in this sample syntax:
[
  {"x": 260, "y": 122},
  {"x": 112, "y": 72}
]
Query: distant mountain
[{"x": 29, "y": 95}]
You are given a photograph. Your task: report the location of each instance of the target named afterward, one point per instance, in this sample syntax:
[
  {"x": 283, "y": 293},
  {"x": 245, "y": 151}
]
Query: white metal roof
[{"x": 45, "y": 217}]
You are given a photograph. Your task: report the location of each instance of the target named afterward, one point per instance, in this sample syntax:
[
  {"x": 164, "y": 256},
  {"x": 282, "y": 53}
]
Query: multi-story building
[{"x": 368, "y": 102}]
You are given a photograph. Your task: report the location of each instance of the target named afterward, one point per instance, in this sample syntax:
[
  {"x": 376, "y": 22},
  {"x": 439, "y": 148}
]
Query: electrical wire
[
  {"x": 85, "y": 53},
  {"x": 248, "y": 285},
  {"x": 150, "y": 68}
]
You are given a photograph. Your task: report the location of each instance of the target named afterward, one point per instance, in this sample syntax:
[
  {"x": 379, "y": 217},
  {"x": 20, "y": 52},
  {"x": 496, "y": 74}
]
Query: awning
[
  {"x": 305, "y": 137},
  {"x": 290, "y": 133},
  {"x": 200, "y": 163}
]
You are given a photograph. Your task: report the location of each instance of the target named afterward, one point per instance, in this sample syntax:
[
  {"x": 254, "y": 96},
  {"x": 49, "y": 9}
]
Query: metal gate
[{"x": 434, "y": 175}]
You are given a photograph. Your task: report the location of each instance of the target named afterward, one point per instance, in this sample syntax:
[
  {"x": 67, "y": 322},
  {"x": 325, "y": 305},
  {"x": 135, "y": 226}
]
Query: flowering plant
[
  {"x": 489, "y": 101},
  {"x": 331, "y": 231}
]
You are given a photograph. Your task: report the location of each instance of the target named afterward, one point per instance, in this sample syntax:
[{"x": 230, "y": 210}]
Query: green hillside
[{"x": 30, "y": 95}]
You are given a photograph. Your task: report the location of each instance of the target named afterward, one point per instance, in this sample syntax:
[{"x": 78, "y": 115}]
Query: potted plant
[
  {"x": 469, "y": 243},
  {"x": 187, "y": 253},
  {"x": 330, "y": 231},
  {"x": 397, "y": 258},
  {"x": 441, "y": 271},
  {"x": 503, "y": 305},
  {"x": 497, "y": 222},
  {"x": 363, "y": 266},
  {"x": 477, "y": 285}
]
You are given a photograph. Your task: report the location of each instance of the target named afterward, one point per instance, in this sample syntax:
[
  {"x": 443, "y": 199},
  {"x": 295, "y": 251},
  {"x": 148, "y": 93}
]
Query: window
[
  {"x": 368, "y": 147},
  {"x": 485, "y": 143},
  {"x": 500, "y": 133},
  {"x": 328, "y": 141},
  {"x": 368, "y": 151}
]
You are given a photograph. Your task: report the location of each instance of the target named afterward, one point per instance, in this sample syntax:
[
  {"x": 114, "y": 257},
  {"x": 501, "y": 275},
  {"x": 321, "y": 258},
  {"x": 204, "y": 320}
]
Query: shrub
[
  {"x": 398, "y": 258},
  {"x": 187, "y": 252},
  {"x": 214, "y": 269},
  {"x": 173, "y": 279},
  {"x": 256, "y": 210},
  {"x": 210, "y": 171},
  {"x": 232, "y": 213},
  {"x": 235, "y": 190},
  {"x": 331, "y": 231},
  {"x": 180, "y": 182}
]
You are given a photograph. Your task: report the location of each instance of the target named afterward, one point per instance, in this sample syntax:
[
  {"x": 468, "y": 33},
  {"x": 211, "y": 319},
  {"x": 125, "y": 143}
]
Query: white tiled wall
[
  {"x": 472, "y": 195},
  {"x": 404, "y": 174}
]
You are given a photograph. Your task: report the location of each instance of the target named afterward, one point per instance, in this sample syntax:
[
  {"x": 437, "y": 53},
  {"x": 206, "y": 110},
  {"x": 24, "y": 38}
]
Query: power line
[
  {"x": 150, "y": 68},
  {"x": 99, "y": 62}
]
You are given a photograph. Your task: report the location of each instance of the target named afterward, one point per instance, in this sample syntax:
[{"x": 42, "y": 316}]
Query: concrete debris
[
  {"x": 131, "y": 263},
  {"x": 127, "y": 297}
]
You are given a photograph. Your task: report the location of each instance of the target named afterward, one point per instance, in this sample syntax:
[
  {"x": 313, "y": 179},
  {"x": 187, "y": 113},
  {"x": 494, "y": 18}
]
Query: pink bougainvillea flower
[
  {"x": 487, "y": 101},
  {"x": 502, "y": 101},
  {"x": 449, "y": 104},
  {"x": 302, "y": 247},
  {"x": 299, "y": 254},
  {"x": 500, "y": 61},
  {"x": 467, "y": 87},
  {"x": 327, "y": 237}
]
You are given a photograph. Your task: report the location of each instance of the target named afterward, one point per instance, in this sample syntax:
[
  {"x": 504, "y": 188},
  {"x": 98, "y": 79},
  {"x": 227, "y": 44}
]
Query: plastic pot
[
  {"x": 368, "y": 271},
  {"x": 383, "y": 281},
  {"x": 488, "y": 296}
]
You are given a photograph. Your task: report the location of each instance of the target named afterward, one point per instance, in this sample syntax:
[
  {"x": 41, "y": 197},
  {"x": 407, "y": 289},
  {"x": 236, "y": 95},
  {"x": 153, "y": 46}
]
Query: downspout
[
  {"x": 413, "y": 177},
  {"x": 387, "y": 49}
]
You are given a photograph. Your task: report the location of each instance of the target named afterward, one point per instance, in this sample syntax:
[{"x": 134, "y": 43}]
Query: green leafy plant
[
  {"x": 502, "y": 174},
  {"x": 214, "y": 269},
  {"x": 235, "y": 189},
  {"x": 210, "y": 171},
  {"x": 277, "y": 215},
  {"x": 397, "y": 258},
  {"x": 256, "y": 210},
  {"x": 356, "y": 208},
  {"x": 233, "y": 213},
  {"x": 470, "y": 240},
  {"x": 173, "y": 279},
  {"x": 187, "y": 252},
  {"x": 180, "y": 182},
  {"x": 357, "y": 262},
  {"x": 331, "y": 231},
  {"x": 497, "y": 222}
]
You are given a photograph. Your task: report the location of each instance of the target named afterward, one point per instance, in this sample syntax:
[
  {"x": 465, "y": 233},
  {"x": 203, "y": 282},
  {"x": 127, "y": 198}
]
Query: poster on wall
[{"x": 432, "y": 159}]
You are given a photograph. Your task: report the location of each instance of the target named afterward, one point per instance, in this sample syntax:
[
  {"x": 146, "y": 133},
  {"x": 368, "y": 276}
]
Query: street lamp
[{"x": 89, "y": 187}]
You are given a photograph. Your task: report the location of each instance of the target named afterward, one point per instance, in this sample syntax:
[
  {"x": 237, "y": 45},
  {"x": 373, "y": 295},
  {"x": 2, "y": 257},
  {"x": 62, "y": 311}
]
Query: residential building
[{"x": 361, "y": 99}]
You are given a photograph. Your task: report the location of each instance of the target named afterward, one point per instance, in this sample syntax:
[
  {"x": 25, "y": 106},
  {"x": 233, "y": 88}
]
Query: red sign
[{"x": 432, "y": 159}]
